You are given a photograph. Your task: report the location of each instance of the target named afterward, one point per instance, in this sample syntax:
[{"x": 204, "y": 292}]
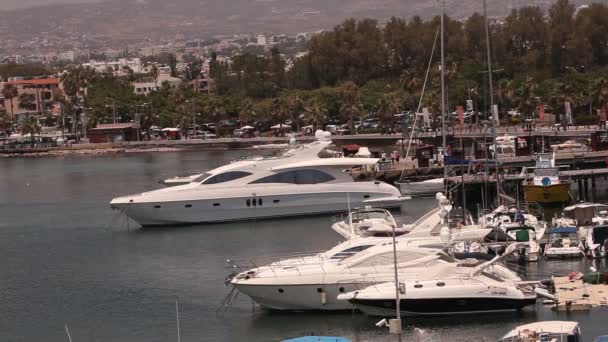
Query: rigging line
[{"x": 409, "y": 143}]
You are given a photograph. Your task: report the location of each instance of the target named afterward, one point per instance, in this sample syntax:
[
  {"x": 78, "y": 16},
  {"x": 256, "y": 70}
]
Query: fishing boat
[
  {"x": 546, "y": 331},
  {"x": 545, "y": 185}
]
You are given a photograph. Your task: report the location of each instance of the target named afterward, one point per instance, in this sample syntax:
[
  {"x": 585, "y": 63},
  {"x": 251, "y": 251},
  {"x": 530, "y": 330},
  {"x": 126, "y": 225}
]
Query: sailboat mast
[
  {"x": 494, "y": 119},
  {"x": 443, "y": 130}
]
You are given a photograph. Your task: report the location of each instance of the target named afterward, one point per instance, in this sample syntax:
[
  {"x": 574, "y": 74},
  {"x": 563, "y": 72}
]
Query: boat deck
[{"x": 574, "y": 295}]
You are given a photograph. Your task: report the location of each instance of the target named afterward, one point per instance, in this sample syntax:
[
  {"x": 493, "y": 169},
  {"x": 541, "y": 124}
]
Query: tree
[
  {"x": 10, "y": 92},
  {"x": 348, "y": 93},
  {"x": 315, "y": 114},
  {"x": 173, "y": 65},
  {"x": 6, "y": 122},
  {"x": 155, "y": 73},
  {"x": 215, "y": 110},
  {"x": 561, "y": 16},
  {"x": 29, "y": 125},
  {"x": 27, "y": 101}
]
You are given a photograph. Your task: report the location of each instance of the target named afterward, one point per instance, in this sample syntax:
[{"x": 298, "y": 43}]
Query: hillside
[{"x": 133, "y": 20}]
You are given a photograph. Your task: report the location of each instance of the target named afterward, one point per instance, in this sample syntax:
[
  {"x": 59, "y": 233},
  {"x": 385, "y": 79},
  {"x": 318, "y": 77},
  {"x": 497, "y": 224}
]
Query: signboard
[
  {"x": 469, "y": 105},
  {"x": 460, "y": 111},
  {"x": 541, "y": 112},
  {"x": 495, "y": 115},
  {"x": 426, "y": 117},
  {"x": 568, "y": 111}
]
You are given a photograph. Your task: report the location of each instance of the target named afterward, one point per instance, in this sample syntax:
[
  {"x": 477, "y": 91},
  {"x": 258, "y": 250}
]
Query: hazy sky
[{"x": 13, "y": 4}]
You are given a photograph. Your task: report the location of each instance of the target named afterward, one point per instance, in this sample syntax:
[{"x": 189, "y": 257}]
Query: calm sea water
[{"x": 63, "y": 261}]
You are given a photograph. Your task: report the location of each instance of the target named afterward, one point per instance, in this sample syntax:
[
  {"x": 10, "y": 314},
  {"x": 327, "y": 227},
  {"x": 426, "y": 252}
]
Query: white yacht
[
  {"x": 446, "y": 288},
  {"x": 550, "y": 331},
  {"x": 297, "y": 183},
  {"x": 312, "y": 282}
]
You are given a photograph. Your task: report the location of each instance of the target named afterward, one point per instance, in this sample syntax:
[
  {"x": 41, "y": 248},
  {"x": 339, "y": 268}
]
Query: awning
[{"x": 351, "y": 147}]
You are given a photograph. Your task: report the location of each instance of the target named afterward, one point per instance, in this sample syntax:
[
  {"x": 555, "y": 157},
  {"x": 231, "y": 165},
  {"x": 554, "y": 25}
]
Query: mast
[
  {"x": 494, "y": 119},
  {"x": 443, "y": 131}
]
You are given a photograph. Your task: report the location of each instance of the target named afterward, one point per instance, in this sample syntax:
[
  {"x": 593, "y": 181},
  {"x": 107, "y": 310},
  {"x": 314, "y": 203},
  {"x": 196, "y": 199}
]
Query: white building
[
  {"x": 261, "y": 39},
  {"x": 149, "y": 85},
  {"x": 67, "y": 56},
  {"x": 119, "y": 68}
]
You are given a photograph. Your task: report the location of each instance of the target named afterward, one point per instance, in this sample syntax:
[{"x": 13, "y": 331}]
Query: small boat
[
  {"x": 545, "y": 186},
  {"x": 583, "y": 215},
  {"x": 318, "y": 339},
  {"x": 425, "y": 187},
  {"x": 596, "y": 242},
  {"x": 549, "y": 331},
  {"x": 564, "y": 242},
  {"x": 570, "y": 146}
]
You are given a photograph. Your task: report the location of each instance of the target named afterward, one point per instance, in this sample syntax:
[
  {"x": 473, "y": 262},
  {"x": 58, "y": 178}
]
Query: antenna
[
  {"x": 68, "y": 333},
  {"x": 177, "y": 318}
]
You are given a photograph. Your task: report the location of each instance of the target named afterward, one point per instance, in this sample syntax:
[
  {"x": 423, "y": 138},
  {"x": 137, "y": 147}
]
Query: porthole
[
  {"x": 249, "y": 203},
  {"x": 188, "y": 206},
  {"x": 341, "y": 289},
  {"x": 281, "y": 291},
  {"x": 216, "y": 204},
  {"x": 366, "y": 196},
  {"x": 440, "y": 283},
  {"x": 276, "y": 201},
  {"x": 254, "y": 202},
  {"x": 418, "y": 286},
  {"x": 157, "y": 206},
  {"x": 260, "y": 201},
  {"x": 319, "y": 290}
]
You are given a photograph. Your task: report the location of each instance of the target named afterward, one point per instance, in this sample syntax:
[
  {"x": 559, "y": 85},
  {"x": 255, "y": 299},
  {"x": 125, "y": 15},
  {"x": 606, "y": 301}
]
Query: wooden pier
[{"x": 574, "y": 295}]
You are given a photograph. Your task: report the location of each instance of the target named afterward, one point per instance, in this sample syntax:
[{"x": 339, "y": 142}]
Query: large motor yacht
[
  {"x": 297, "y": 183},
  {"x": 313, "y": 282}
]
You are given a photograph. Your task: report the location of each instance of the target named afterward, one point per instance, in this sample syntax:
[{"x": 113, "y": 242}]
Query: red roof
[
  {"x": 42, "y": 81},
  {"x": 116, "y": 126}
]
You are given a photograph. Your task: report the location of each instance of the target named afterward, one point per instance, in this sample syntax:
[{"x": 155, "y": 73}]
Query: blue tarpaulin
[
  {"x": 318, "y": 339},
  {"x": 562, "y": 230}
]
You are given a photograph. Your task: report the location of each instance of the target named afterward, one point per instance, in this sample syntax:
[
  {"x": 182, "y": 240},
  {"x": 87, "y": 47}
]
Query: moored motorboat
[
  {"x": 297, "y": 184},
  {"x": 549, "y": 331},
  {"x": 563, "y": 242},
  {"x": 445, "y": 290},
  {"x": 545, "y": 185}
]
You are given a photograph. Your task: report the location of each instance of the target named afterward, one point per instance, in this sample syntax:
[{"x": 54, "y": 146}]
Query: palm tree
[
  {"x": 29, "y": 125},
  {"x": 10, "y": 92},
  {"x": 246, "y": 112},
  {"x": 5, "y": 121},
  {"x": 155, "y": 73},
  {"x": 294, "y": 103},
  {"x": 314, "y": 114},
  {"x": 215, "y": 108},
  {"x": 27, "y": 101},
  {"x": 348, "y": 93}
]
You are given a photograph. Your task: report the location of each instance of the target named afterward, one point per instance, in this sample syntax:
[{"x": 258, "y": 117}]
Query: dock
[{"x": 574, "y": 295}]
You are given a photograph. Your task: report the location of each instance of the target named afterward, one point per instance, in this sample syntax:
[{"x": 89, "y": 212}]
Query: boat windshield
[
  {"x": 600, "y": 234},
  {"x": 365, "y": 215},
  {"x": 349, "y": 252},
  {"x": 201, "y": 178},
  {"x": 224, "y": 177}
]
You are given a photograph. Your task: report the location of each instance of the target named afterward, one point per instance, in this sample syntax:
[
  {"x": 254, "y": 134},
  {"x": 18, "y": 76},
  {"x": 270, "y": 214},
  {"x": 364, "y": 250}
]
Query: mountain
[{"x": 127, "y": 21}]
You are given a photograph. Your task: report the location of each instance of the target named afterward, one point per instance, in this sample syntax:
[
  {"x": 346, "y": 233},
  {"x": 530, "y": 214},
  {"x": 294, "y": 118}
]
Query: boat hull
[
  {"x": 555, "y": 193},
  {"x": 441, "y": 306},
  {"x": 242, "y": 208},
  {"x": 421, "y": 188},
  {"x": 302, "y": 297}
]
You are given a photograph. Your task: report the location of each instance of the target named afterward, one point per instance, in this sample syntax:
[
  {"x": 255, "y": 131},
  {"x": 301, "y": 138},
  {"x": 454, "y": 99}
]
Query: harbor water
[{"x": 66, "y": 259}]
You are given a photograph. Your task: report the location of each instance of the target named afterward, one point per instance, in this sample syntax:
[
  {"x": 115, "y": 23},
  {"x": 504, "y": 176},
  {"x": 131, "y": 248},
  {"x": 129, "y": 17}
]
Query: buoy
[{"x": 323, "y": 297}]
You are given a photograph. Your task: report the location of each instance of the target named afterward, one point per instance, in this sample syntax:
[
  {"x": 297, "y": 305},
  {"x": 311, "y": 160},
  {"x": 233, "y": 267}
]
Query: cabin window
[
  {"x": 307, "y": 176},
  {"x": 350, "y": 251},
  {"x": 226, "y": 177},
  {"x": 387, "y": 258}
]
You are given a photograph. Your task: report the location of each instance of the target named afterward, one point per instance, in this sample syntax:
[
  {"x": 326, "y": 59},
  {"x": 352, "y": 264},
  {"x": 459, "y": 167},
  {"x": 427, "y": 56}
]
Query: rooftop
[
  {"x": 115, "y": 126},
  {"x": 42, "y": 81}
]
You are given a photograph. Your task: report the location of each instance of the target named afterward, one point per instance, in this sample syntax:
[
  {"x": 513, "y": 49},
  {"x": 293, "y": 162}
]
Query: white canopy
[
  {"x": 279, "y": 126},
  {"x": 584, "y": 205},
  {"x": 169, "y": 129},
  {"x": 247, "y": 127}
]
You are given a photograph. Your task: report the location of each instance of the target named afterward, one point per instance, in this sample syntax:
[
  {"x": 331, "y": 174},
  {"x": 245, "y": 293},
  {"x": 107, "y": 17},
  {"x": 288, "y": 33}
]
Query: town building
[
  {"x": 149, "y": 85},
  {"x": 114, "y": 132},
  {"x": 120, "y": 67},
  {"x": 33, "y": 96}
]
